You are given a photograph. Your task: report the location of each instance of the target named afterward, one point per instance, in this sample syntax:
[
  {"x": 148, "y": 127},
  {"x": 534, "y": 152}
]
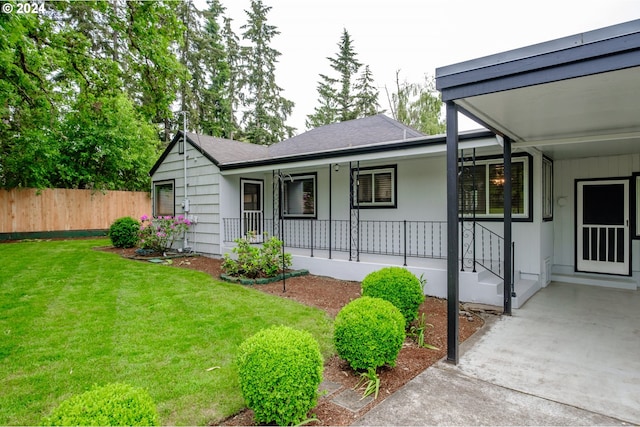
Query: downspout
[{"x": 185, "y": 203}]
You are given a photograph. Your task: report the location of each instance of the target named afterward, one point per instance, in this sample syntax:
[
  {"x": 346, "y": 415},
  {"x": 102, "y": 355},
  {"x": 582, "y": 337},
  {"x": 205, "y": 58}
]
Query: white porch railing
[{"x": 253, "y": 225}]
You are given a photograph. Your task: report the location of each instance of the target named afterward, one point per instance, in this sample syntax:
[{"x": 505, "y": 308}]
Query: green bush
[
  {"x": 256, "y": 261},
  {"x": 110, "y": 405},
  {"x": 124, "y": 232},
  {"x": 368, "y": 333},
  {"x": 280, "y": 369},
  {"x": 398, "y": 286}
]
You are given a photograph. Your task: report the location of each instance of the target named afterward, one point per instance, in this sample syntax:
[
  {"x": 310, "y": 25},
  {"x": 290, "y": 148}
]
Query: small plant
[
  {"x": 417, "y": 331},
  {"x": 369, "y": 382},
  {"x": 124, "y": 232},
  {"x": 368, "y": 333},
  {"x": 398, "y": 286},
  {"x": 158, "y": 234},
  {"x": 256, "y": 261},
  {"x": 280, "y": 369},
  {"x": 110, "y": 405}
]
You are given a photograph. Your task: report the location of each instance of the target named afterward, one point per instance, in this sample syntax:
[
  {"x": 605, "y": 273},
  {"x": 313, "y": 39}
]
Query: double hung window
[{"x": 375, "y": 187}]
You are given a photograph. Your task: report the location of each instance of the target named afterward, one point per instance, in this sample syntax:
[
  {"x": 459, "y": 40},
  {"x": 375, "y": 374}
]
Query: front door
[
  {"x": 252, "y": 208},
  {"x": 602, "y": 221}
]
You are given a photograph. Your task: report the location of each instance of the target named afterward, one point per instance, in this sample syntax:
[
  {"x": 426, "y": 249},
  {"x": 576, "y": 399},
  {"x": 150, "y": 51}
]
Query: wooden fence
[{"x": 24, "y": 212}]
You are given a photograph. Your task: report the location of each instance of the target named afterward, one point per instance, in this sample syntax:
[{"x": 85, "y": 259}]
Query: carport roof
[{"x": 582, "y": 89}]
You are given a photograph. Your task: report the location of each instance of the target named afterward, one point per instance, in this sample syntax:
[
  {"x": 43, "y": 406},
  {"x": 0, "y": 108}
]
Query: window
[
  {"x": 375, "y": 187},
  {"x": 482, "y": 188},
  {"x": 547, "y": 189},
  {"x": 181, "y": 146},
  {"x": 163, "y": 199},
  {"x": 299, "y": 196}
]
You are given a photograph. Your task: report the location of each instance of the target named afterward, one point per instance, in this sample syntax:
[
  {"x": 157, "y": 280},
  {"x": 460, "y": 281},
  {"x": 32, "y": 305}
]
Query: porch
[{"x": 349, "y": 250}]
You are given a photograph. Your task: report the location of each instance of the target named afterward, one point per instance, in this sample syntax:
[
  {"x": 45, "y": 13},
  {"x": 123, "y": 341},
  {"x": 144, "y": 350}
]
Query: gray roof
[
  {"x": 336, "y": 136},
  {"x": 352, "y": 133},
  {"x": 223, "y": 151},
  {"x": 378, "y": 130}
]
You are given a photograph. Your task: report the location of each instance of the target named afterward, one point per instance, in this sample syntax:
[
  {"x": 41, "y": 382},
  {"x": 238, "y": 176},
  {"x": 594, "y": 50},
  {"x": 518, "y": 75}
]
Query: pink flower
[{"x": 144, "y": 218}]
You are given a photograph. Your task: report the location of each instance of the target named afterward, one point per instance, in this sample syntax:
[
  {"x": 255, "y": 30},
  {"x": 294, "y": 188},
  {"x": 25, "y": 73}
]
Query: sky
[{"x": 412, "y": 36}]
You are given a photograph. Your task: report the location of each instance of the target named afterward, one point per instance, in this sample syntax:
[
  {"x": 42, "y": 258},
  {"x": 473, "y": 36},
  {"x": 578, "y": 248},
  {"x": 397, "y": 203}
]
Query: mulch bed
[{"x": 331, "y": 295}]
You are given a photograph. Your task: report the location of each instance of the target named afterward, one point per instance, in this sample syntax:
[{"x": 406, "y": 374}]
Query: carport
[{"x": 574, "y": 100}]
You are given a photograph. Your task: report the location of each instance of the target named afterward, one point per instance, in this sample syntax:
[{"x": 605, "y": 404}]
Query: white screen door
[
  {"x": 602, "y": 221},
  {"x": 252, "y": 208}
]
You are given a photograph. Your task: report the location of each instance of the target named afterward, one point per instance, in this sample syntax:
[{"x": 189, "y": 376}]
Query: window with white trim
[
  {"x": 299, "y": 196},
  {"x": 482, "y": 188},
  {"x": 163, "y": 199},
  {"x": 375, "y": 187}
]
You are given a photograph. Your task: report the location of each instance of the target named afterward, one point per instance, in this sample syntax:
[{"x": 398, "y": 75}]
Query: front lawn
[{"x": 71, "y": 317}]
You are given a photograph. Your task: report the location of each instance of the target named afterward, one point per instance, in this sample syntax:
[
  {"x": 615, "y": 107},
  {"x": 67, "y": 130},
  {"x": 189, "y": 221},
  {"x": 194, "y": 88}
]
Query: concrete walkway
[{"x": 570, "y": 356}]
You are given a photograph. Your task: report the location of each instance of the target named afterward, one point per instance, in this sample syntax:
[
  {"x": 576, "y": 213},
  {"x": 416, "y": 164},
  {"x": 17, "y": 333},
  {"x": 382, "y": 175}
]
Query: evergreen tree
[
  {"x": 265, "y": 110},
  {"x": 231, "y": 44},
  {"x": 366, "y": 95},
  {"x": 348, "y": 96},
  {"x": 216, "y": 108}
]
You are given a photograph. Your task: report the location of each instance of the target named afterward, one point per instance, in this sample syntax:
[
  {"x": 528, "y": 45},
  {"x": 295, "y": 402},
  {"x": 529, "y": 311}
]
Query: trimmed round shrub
[
  {"x": 124, "y": 232},
  {"x": 113, "y": 404},
  {"x": 368, "y": 333},
  {"x": 397, "y": 285},
  {"x": 280, "y": 369}
]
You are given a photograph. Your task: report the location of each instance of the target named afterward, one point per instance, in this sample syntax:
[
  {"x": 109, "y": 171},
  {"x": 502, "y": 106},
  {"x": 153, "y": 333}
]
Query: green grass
[{"x": 71, "y": 317}]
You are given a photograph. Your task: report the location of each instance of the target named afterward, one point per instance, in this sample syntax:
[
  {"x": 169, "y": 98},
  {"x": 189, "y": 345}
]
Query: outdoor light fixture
[{"x": 336, "y": 167}]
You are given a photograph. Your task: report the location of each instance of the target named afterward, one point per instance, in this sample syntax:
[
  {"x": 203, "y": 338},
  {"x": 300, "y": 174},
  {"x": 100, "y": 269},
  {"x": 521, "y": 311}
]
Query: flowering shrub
[{"x": 158, "y": 234}]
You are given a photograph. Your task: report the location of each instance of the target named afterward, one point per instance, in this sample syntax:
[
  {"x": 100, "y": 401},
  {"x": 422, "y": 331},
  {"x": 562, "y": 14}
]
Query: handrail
[{"x": 403, "y": 238}]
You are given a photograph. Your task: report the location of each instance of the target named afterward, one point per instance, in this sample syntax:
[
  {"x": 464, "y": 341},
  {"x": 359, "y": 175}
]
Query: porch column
[
  {"x": 507, "y": 226},
  {"x": 452, "y": 233}
]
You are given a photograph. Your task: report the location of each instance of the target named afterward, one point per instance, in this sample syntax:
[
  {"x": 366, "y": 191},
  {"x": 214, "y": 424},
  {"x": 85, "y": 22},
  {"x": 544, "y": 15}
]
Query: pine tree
[
  {"x": 366, "y": 95},
  {"x": 216, "y": 109},
  {"x": 345, "y": 97},
  {"x": 265, "y": 110},
  {"x": 231, "y": 44}
]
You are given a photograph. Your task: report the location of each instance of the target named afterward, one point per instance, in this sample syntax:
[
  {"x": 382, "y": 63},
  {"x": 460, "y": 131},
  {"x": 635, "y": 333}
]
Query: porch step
[
  {"x": 525, "y": 289},
  {"x": 629, "y": 283}
]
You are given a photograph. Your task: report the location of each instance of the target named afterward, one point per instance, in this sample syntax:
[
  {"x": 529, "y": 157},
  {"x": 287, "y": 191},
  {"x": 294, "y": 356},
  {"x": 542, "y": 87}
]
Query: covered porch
[{"x": 574, "y": 103}]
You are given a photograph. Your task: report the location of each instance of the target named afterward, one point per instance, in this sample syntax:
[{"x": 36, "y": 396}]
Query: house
[
  {"x": 352, "y": 197},
  {"x": 573, "y": 105}
]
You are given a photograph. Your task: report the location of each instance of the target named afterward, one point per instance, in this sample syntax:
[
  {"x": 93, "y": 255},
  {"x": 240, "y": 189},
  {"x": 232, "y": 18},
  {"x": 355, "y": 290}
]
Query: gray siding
[{"x": 203, "y": 192}]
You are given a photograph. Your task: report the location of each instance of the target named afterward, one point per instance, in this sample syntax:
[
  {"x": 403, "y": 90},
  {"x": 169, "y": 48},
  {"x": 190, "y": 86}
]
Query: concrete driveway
[{"x": 570, "y": 356}]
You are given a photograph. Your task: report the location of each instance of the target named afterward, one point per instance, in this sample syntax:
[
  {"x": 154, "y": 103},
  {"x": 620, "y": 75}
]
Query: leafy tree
[
  {"x": 74, "y": 80},
  {"x": 107, "y": 146},
  {"x": 28, "y": 103},
  {"x": 418, "y": 105},
  {"x": 348, "y": 96},
  {"x": 265, "y": 109}
]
